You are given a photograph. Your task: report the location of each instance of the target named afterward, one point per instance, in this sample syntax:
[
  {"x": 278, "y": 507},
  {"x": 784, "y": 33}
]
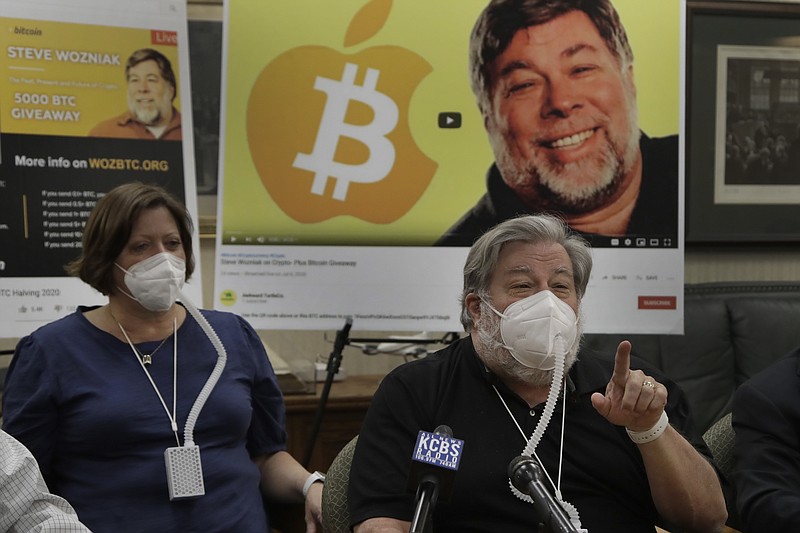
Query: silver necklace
[{"x": 145, "y": 358}]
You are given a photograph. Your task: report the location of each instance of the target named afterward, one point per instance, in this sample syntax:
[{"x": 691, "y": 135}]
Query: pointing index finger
[{"x": 622, "y": 363}]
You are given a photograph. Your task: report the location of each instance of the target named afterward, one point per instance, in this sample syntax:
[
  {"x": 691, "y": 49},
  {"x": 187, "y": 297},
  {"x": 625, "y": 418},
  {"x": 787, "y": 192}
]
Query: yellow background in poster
[
  {"x": 64, "y": 67},
  {"x": 437, "y": 33}
]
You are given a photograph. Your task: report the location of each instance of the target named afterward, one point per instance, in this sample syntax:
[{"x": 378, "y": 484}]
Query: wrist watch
[{"x": 317, "y": 476}]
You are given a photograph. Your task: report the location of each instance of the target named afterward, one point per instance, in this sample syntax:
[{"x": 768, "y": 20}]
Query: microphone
[
  {"x": 433, "y": 469},
  {"x": 526, "y": 475},
  {"x": 341, "y": 340},
  {"x": 334, "y": 362}
]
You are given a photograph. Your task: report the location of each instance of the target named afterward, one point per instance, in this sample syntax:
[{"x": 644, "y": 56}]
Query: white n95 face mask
[
  {"x": 156, "y": 281},
  {"x": 529, "y": 328}
]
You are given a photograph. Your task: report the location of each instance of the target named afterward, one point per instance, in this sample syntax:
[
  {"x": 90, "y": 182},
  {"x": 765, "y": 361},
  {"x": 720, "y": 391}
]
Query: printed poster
[
  {"x": 351, "y": 142},
  {"x": 67, "y": 85}
]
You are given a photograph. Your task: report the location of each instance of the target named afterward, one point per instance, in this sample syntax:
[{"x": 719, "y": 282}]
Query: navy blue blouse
[{"x": 77, "y": 397}]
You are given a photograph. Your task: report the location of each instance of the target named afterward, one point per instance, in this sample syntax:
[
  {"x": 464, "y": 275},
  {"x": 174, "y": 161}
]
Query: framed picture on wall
[{"x": 743, "y": 125}]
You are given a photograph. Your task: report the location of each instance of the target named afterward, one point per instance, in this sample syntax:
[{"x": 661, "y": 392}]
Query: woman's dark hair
[{"x": 109, "y": 228}]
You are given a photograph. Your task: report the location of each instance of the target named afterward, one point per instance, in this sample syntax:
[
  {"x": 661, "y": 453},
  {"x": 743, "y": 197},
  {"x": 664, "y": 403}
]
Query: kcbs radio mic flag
[{"x": 436, "y": 455}]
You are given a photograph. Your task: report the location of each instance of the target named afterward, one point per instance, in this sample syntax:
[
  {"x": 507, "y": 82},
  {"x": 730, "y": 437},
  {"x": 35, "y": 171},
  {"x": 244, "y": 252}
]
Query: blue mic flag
[{"x": 436, "y": 456}]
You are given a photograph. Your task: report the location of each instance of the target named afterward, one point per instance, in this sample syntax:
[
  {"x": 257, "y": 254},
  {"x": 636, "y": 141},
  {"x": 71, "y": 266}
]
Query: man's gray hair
[
  {"x": 502, "y": 19},
  {"x": 535, "y": 229}
]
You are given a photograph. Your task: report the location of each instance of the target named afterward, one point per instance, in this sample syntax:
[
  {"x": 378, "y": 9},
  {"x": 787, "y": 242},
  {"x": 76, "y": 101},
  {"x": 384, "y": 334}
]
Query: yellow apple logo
[{"x": 328, "y": 132}]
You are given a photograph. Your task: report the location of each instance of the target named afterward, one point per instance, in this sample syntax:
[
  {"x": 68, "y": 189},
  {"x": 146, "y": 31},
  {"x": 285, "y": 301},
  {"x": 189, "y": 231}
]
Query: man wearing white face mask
[
  {"x": 147, "y": 414},
  {"x": 613, "y": 436}
]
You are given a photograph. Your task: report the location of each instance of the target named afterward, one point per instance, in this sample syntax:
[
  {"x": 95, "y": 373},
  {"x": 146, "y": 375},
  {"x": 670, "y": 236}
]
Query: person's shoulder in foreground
[
  {"x": 27, "y": 505},
  {"x": 766, "y": 421}
]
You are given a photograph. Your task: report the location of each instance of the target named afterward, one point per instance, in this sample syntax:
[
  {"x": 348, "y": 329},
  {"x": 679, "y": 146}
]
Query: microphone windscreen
[
  {"x": 523, "y": 470},
  {"x": 443, "y": 430}
]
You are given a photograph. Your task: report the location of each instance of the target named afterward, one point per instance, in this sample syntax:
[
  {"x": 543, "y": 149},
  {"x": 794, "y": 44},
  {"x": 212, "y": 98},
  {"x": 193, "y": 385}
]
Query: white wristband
[
  {"x": 640, "y": 437},
  {"x": 310, "y": 480}
]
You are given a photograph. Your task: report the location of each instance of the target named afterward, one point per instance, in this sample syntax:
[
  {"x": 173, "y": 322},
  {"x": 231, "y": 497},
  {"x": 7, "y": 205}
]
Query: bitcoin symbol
[{"x": 332, "y": 126}]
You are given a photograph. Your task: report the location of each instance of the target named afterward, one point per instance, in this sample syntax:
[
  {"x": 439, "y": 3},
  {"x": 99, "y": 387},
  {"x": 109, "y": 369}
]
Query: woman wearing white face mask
[{"x": 145, "y": 413}]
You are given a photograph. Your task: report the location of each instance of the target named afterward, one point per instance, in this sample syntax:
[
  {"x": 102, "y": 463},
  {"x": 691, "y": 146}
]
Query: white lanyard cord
[
  {"x": 538, "y": 433},
  {"x": 172, "y": 417},
  {"x": 525, "y": 438},
  {"x": 174, "y": 420},
  {"x": 561, "y": 452}
]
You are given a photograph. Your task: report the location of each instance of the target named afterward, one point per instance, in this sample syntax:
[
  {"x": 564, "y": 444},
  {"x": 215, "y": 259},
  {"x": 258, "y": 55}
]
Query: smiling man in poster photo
[
  {"x": 151, "y": 92},
  {"x": 554, "y": 81}
]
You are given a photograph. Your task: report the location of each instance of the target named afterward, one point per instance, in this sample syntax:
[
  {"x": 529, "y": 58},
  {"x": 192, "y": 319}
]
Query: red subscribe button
[{"x": 658, "y": 302}]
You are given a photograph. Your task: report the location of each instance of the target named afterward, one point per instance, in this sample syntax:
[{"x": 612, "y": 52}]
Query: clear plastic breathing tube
[
  {"x": 552, "y": 397},
  {"x": 556, "y": 384},
  {"x": 222, "y": 358}
]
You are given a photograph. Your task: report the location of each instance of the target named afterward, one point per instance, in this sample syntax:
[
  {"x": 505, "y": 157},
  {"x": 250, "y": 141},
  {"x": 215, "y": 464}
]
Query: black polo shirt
[{"x": 602, "y": 472}]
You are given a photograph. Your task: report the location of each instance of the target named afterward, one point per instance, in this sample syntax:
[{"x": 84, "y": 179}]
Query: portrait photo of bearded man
[
  {"x": 151, "y": 92},
  {"x": 554, "y": 81}
]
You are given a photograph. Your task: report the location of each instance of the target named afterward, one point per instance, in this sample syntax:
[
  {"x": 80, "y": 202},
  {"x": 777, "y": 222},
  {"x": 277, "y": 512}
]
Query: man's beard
[
  {"x": 500, "y": 361},
  {"x": 150, "y": 116},
  {"x": 576, "y": 187}
]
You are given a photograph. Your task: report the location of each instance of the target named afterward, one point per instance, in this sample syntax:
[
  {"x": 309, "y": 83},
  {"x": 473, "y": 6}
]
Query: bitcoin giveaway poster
[
  {"x": 351, "y": 142},
  {"x": 63, "y": 90}
]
